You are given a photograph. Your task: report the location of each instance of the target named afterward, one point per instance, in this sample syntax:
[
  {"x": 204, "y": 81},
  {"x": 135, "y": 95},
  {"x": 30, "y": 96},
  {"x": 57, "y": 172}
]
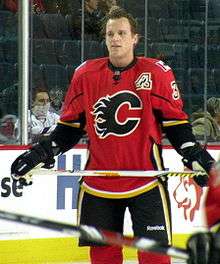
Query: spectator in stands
[
  {"x": 9, "y": 129},
  {"x": 92, "y": 17},
  {"x": 105, "y": 5},
  {"x": 37, "y": 6},
  {"x": 63, "y": 7},
  {"x": 208, "y": 122},
  {"x": 43, "y": 121}
]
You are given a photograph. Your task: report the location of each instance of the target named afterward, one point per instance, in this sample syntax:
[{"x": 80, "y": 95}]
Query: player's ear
[{"x": 136, "y": 39}]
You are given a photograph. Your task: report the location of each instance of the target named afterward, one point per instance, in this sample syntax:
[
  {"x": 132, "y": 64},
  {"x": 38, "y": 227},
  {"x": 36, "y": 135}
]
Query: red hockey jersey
[
  {"x": 124, "y": 116},
  {"x": 212, "y": 204}
]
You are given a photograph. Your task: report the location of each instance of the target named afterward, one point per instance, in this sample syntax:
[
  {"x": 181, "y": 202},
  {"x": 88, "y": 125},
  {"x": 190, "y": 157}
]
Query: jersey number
[{"x": 176, "y": 93}]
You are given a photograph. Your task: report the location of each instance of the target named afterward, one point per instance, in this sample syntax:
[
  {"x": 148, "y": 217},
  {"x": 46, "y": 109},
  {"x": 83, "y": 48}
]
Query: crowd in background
[{"x": 204, "y": 122}]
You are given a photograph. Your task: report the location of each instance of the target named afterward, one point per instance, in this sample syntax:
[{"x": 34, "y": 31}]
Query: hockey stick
[
  {"x": 99, "y": 235},
  {"x": 114, "y": 173}
]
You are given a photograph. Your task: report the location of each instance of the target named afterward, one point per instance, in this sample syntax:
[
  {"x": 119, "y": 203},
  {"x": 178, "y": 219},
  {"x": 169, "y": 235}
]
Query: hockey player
[
  {"x": 204, "y": 247},
  {"x": 124, "y": 102}
]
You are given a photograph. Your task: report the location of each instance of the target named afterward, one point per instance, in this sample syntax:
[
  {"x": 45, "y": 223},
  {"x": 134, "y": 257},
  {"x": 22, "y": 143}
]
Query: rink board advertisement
[{"x": 55, "y": 197}]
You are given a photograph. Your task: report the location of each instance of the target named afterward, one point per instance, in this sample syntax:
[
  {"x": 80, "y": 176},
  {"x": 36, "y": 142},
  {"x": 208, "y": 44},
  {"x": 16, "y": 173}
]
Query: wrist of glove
[
  {"x": 42, "y": 152},
  {"x": 204, "y": 248},
  {"x": 198, "y": 159},
  {"x": 202, "y": 178},
  {"x": 198, "y": 247}
]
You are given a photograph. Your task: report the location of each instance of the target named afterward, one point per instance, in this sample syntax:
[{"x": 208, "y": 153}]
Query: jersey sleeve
[
  {"x": 73, "y": 105},
  {"x": 165, "y": 97}
]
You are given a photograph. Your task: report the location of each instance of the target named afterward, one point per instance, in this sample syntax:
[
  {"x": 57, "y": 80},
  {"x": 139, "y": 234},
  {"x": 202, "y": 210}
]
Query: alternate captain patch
[{"x": 144, "y": 81}]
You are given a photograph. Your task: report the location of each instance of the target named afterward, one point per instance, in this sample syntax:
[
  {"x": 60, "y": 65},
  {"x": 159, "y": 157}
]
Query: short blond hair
[{"x": 117, "y": 12}]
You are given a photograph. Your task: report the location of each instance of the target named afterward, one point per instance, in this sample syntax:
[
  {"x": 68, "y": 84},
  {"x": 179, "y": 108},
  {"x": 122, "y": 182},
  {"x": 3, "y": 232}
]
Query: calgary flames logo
[
  {"x": 187, "y": 195},
  {"x": 118, "y": 114}
]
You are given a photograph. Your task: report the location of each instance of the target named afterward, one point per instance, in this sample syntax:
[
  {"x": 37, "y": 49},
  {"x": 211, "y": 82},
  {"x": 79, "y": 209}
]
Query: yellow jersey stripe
[
  {"x": 166, "y": 212},
  {"x": 77, "y": 125},
  {"x": 119, "y": 195},
  {"x": 79, "y": 208},
  {"x": 157, "y": 157},
  {"x": 174, "y": 123}
]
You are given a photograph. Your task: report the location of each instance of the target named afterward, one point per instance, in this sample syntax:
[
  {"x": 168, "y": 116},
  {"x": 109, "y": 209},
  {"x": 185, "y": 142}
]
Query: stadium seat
[
  {"x": 154, "y": 33},
  {"x": 196, "y": 83},
  {"x": 141, "y": 26},
  {"x": 180, "y": 54},
  {"x": 158, "y": 9},
  {"x": 214, "y": 9},
  {"x": 153, "y": 29},
  {"x": 217, "y": 65},
  {"x": 93, "y": 49},
  {"x": 213, "y": 32},
  {"x": 197, "y": 9},
  {"x": 139, "y": 49},
  {"x": 1, "y": 24},
  {"x": 8, "y": 24},
  {"x": 1, "y": 4},
  {"x": 8, "y": 75},
  {"x": 55, "y": 75},
  {"x": 213, "y": 53},
  {"x": 136, "y": 8},
  {"x": 2, "y": 53},
  {"x": 192, "y": 103},
  {"x": 11, "y": 51},
  {"x": 195, "y": 30},
  {"x": 172, "y": 30},
  {"x": 178, "y": 9},
  {"x": 38, "y": 30},
  {"x": 44, "y": 51},
  {"x": 55, "y": 26},
  {"x": 216, "y": 78},
  {"x": 69, "y": 21},
  {"x": 173, "y": 9},
  {"x": 180, "y": 75},
  {"x": 70, "y": 52},
  {"x": 163, "y": 51},
  {"x": 70, "y": 70},
  {"x": 37, "y": 75},
  {"x": 195, "y": 56}
]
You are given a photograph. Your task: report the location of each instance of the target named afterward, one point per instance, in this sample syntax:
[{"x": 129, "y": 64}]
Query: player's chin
[
  {"x": 113, "y": 52},
  {"x": 116, "y": 54}
]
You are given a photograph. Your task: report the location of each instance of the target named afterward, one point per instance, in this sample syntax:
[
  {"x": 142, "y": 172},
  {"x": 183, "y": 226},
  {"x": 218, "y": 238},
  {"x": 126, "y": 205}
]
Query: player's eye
[
  {"x": 122, "y": 33},
  {"x": 110, "y": 34}
]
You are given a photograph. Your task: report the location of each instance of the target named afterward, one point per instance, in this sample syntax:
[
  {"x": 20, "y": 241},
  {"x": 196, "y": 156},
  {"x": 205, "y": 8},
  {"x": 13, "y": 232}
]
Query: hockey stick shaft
[
  {"x": 114, "y": 173},
  {"x": 98, "y": 235}
]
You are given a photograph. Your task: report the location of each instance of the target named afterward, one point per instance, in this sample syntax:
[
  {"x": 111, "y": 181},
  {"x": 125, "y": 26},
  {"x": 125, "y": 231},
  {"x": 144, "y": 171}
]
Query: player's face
[{"x": 120, "y": 41}]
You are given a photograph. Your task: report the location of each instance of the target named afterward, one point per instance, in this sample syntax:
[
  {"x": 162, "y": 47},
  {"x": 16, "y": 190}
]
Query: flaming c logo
[
  {"x": 187, "y": 195},
  {"x": 108, "y": 114}
]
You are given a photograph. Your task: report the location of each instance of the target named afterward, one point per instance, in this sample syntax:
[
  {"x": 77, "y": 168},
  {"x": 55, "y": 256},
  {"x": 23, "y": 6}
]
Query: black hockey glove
[
  {"x": 204, "y": 248},
  {"x": 198, "y": 159},
  {"x": 42, "y": 152},
  {"x": 198, "y": 246}
]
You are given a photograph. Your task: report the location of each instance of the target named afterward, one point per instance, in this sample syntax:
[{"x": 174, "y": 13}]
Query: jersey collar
[{"x": 121, "y": 69}]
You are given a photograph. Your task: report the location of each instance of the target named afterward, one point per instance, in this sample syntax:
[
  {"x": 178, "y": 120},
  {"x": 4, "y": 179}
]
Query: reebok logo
[{"x": 155, "y": 228}]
